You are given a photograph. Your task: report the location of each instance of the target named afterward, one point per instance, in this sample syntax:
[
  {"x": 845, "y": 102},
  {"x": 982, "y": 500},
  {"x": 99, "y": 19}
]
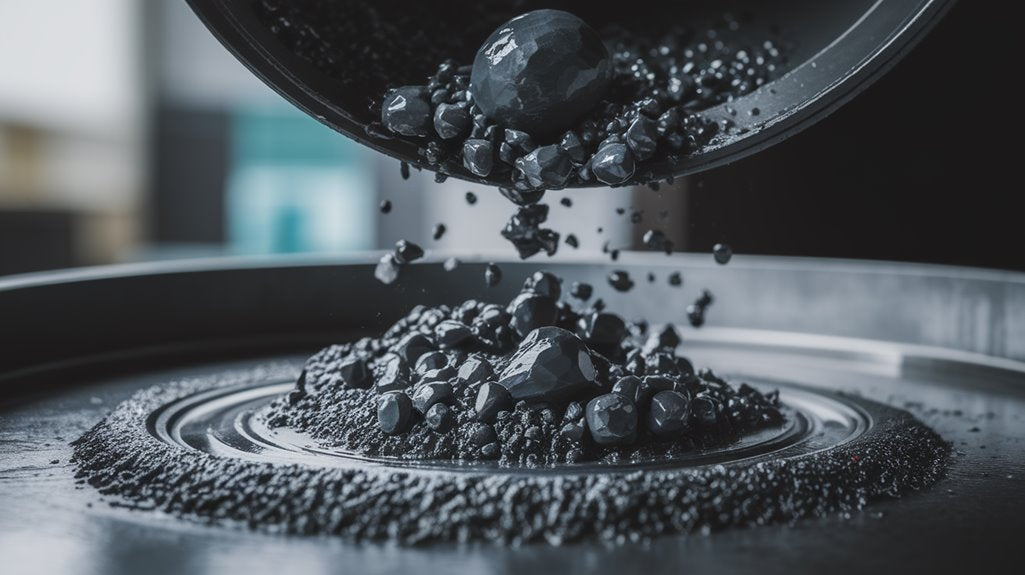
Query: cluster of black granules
[
  {"x": 531, "y": 383},
  {"x": 123, "y": 460},
  {"x": 647, "y": 108}
]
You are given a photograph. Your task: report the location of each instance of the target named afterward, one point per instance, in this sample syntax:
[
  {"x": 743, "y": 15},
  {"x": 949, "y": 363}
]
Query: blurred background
[{"x": 127, "y": 133}]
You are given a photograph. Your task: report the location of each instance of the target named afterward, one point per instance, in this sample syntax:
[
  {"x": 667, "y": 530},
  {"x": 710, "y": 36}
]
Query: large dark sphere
[{"x": 540, "y": 72}]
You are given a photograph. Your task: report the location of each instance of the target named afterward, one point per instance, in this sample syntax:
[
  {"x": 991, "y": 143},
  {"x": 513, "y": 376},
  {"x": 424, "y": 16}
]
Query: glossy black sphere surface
[{"x": 540, "y": 72}]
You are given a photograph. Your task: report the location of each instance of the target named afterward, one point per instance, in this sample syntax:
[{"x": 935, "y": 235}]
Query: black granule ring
[{"x": 124, "y": 456}]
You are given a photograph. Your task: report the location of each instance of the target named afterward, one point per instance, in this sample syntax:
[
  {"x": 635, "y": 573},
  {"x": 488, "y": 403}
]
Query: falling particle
[
  {"x": 600, "y": 230},
  {"x": 620, "y": 281},
  {"x": 696, "y": 311},
  {"x": 581, "y": 291},
  {"x": 439, "y": 178},
  {"x": 439, "y": 231},
  {"x": 620, "y": 211},
  {"x": 675, "y": 279},
  {"x": 572, "y": 241},
  {"x": 407, "y": 252},
  {"x": 566, "y": 202},
  {"x": 722, "y": 253},
  {"x": 614, "y": 254},
  {"x": 471, "y": 198},
  {"x": 492, "y": 275},
  {"x": 657, "y": 240},
  {"x": 404, "y": 170},
  {"x": 651, "y": 277},
  {"x": 451, "y": 264},
  {"x": 387, "y": 270},
  {"x": 385, "y": 206}
]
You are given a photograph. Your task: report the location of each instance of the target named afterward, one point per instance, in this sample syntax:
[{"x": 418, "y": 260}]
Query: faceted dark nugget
[{"x": 541, "y": 71}]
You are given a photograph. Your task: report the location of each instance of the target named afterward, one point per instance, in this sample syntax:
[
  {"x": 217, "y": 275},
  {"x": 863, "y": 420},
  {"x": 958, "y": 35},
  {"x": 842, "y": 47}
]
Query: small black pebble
[
  {"x": 492, "y": 275},
  {"x": 407, "y": 111},
  {"x": 452, "y": 121},
  {"x": 612, "y": 419},
  {"x": 385, "y": 206},
  {"x": 387, "y": 270},
  {"x": 407, "y": 252},
  {"x": 581, "y": 291},
  {"x": 440, "y": 418},
  {"x": 439, "y": 231},
  {"x": 471, "y": 198},
  {"x": 675, "y": 279},
  {"x": 722, "y": 253},
  {"x": 566, "y": 202},
  {"x": 491, "y": 399},
  {"x": 395, "y": 413},
  {"x": 620, "y": 281},
  {"x": 404, "y": 170},
  {"x": 572, "y": 241}
]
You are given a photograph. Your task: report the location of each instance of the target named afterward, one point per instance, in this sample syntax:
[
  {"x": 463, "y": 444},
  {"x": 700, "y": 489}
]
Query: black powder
[{"x": 124, "y": 461}]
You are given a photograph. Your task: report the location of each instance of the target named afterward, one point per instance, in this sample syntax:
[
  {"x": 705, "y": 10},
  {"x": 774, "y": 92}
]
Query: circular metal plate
[{"x": 974, "y": 516}]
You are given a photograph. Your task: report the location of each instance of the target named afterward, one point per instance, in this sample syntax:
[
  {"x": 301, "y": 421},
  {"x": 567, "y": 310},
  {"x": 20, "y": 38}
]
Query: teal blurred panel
[{"x": 297, "y": 186}]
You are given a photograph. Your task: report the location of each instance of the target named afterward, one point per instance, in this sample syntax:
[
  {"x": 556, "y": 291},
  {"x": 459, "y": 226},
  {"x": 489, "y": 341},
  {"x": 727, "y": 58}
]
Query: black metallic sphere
[{"x": 540, "y": 72}]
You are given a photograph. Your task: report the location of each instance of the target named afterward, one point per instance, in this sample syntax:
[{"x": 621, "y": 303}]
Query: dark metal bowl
[{"x": 841, "y": 48}]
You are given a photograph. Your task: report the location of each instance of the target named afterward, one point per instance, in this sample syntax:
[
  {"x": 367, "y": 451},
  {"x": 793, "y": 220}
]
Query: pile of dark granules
[
  {"x": 532, "y": 383},
  {"x": 123, "y": 460},
  {"x": 648, "y": 112}
]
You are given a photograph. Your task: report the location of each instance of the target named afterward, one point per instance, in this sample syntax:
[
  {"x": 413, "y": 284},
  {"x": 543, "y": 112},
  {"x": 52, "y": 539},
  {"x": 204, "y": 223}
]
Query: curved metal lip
[
  {"x": 816, "y": 420},
  {"x": 786, "y": 106},
  {"x": 369, "y": 258}
]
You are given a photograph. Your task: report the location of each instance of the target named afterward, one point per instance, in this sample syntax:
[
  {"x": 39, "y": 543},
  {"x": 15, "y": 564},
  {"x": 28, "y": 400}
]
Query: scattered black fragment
[
  {"x": 526, "y": 234},
  {"x": 675, "y": 279},
  {"x": 491, "y": 399},
  {"x": 657, "y": 240},
  {"x": 642, "y": 138},
  {"x": 572, "y": 241},
  {"x": 452, "y": 121},
  {"x": 547, "y": 167},
  {"x": 696, "y": 311},
  {"x": 471, "y": 198},
  {"x": 566, "y": 202},
  {"x": 407, "y": 111},
  {"x": 612, "y": 419},
  {"x": 613, "y": 164},
  {"x": 545, "y": 284},
  {"x": 407, "y": 252},
  {"x": 530, "y": 311},
  {"x": 404, "y": 170},
  {"x": 479, "y": 158},
  {"x": 440, "y": 418},
  {"x": 551, "y": 365},
  {"x": 439, "y": 231},
  {"x": 394, "y": 413},
  {"x": 581, "y": 291},
  {"x": 387, "y": 270},
  {"x": 722, "y": 253},
  {"x": 620, "y": 281},
  {"x": 386, "y": 206},
  {"x": 492, "y": 274},
  {"x": 669, "y": 413}
]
